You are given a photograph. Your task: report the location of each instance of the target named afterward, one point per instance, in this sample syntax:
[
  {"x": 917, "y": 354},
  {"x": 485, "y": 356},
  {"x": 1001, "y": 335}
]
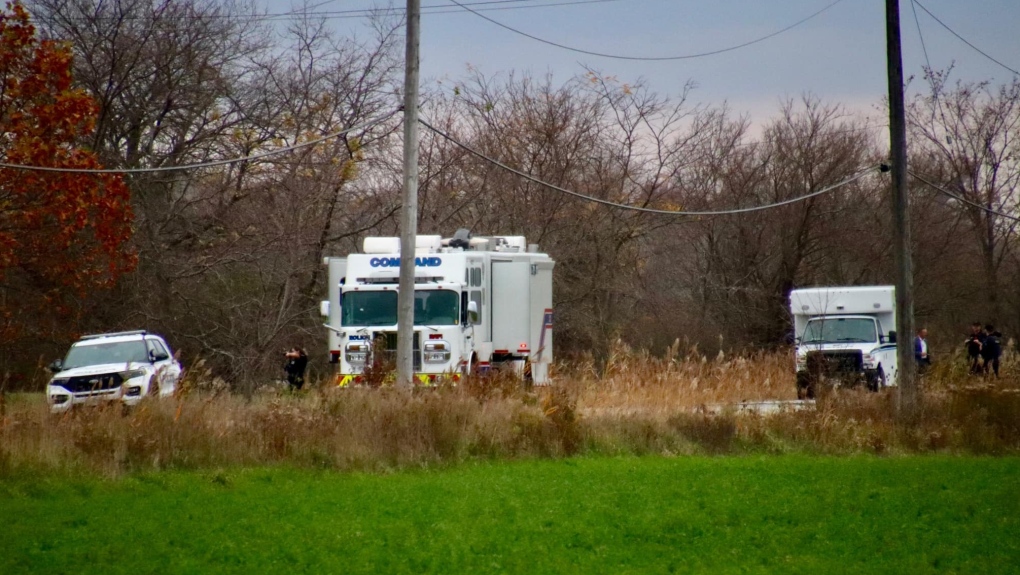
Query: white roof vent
[
  {"x": 428, "y": 244},
  {"x": 376, "y": 245},
  {"x": 511, "y": 244}
]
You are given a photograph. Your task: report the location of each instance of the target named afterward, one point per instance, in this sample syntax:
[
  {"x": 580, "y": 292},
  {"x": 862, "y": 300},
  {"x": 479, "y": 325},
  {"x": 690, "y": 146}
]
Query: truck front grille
[
  {"x": 389, "y": 349},
  {"x": 86, "y": 383},
  {"x": 835, "y": 362}
]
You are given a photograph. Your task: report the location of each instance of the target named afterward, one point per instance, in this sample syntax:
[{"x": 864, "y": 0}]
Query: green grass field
[{"x": 776, "y": 514}]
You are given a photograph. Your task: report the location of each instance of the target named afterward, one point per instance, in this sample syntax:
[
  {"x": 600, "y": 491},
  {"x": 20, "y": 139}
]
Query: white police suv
[{"x": 124, "y": 366}]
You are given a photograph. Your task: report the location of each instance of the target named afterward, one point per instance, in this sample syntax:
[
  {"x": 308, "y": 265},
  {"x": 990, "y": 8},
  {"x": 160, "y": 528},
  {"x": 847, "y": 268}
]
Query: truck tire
[
  {"x": 877, "y": 382},
  {"x": 468, "y": 369}
]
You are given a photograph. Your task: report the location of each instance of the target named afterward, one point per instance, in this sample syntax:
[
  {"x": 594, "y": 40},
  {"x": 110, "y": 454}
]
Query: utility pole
[
  {"x": 906, "y": 375},
  {"x": 409, "y": 209}
]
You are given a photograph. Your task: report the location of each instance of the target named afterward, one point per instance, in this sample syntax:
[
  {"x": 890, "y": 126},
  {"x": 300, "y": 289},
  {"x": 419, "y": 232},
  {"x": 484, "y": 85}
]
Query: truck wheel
[
  {"x": 877, "y": 382},
  {"x": 805, "y": 386},
  {"x": 468, "y": 369}
]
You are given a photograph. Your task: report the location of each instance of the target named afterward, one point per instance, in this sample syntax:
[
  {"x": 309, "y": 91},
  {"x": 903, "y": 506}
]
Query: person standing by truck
[
  {"x": 974, "y": 342},
  {"x": 297, "y": 361},
  {"x": 921, "y": 355},
  {"x": 991, "y": 350}
]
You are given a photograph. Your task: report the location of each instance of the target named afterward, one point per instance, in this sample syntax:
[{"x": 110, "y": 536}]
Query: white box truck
[
  {"x": 480, "y": 303},
  {"x": 846, "y": 335}
]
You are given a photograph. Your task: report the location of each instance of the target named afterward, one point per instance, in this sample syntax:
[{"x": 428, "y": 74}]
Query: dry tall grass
[{"x": 639, "y": 404}]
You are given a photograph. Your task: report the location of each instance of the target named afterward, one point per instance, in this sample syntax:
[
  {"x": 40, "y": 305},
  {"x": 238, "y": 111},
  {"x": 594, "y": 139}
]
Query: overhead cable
[
  {"x": 961, "y": 38},
  {"x": 259, "y": 156},
  {"x": 497, "y": 163},
  {"x": 430, "y": 9},
  {"x": 962, "y": 199},
  {"x": 931, "y": 73},
  {"x": 645, "y": 58}
]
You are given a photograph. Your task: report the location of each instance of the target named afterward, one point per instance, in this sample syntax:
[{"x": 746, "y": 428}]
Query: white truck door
[{"x": 511, "y": 301}]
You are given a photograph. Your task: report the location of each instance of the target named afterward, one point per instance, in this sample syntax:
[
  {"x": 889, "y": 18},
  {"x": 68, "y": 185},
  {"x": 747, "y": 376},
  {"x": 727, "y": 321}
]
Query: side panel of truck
[
  {"x": 541, "y": 320},
  {"x": 337, "y": 271},
  {"x": 511, "y": 302}
]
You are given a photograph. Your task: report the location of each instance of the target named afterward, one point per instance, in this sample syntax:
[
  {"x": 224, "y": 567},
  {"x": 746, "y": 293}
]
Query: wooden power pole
[
  {"x": 409, "y": 208},
  {"x": 906, "y": 375}
]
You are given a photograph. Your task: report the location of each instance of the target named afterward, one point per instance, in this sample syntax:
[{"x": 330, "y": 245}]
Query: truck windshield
[
  {"x": 840, "y": 330},
  {"x": 114, "y": 352},
  {"x": 436, "y": 307},
  {"x": 370, "y": 308}
]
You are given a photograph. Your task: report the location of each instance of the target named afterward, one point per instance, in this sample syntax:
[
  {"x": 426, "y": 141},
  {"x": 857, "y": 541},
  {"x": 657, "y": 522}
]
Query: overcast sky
[{"x": 838, "y": 55}]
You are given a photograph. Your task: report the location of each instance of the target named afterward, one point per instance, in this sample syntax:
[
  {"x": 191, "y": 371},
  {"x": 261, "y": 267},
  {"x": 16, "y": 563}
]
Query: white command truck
[
  {"x": 844, "y": 334},
  {"x": 480, "y": 303}
]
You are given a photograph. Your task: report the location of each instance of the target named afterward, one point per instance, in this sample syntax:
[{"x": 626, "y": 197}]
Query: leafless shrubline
[
  {"x": 230, "y": 256},
  {"x": 732, "y": 274},
  {"x": 966, "y": 139}
]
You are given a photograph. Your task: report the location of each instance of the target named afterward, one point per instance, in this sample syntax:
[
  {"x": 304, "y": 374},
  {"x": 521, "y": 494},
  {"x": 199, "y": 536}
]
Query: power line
[
  {"x": 962, "y": 199},
  {"x": 354, "y": 13},
  {"x": 259, "y": 156},
  {"x": 924, "y": 49},
  {"x": 645, "y": 58},
  {"x": 440, "y": 9},
  {"x": 585, "y": 197},
  {"x": 962, "y": 39}
]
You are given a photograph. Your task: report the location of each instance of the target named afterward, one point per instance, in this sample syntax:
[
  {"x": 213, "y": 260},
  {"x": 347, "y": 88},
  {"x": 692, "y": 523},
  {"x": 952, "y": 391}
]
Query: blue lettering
[{"x": 422, "y": 262}]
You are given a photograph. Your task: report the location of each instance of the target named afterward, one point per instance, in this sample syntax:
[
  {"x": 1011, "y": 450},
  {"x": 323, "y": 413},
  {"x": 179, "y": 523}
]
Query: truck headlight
[
  {"x": 437, "y": 352},
  {"x": 868, "y": 360},
  {"x": 356, "y": 353},
  {"x": 131, "y": 374}
]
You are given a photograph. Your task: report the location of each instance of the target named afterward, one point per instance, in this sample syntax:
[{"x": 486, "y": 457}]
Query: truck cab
[{"x": 844, "y": 335}]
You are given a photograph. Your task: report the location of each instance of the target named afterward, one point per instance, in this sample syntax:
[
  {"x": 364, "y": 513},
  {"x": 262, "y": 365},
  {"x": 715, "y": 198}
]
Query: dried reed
[{"x": 638, "y": 404}]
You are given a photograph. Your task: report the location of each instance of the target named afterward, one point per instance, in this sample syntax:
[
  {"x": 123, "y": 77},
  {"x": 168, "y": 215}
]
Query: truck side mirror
[
  {"x": 56, "y": 366},
  {"x": 892, "y": 336},
  {"x": 472, "y": 308},
  {"x": 324, "y": 308}
]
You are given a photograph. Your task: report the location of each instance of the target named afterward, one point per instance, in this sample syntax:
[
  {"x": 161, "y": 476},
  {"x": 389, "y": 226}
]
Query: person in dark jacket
[
  {"x": 991, "y": 350},
  {"x": 922, "y": 355},
  {"x": 297, "y": 361},
  {"x": 974, "y": 342}
]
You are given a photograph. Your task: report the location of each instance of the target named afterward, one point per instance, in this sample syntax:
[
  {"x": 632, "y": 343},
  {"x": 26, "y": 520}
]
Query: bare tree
[
  {"x": 738, "y": 270},
  {"x": 230, "y": 256},
  {"x": 592, "y": 135},
  {"x": 968, "y": 136}
]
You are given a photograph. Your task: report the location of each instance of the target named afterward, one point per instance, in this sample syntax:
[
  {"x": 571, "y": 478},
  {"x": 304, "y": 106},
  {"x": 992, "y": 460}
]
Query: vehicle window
[
  {"x": 157, "y": 347},
  {"x": 114, "y": 352},
  {"x": 436, "y": 307},
  {"x": 476, "y": 296},
  {"x": 840, "y": 330},
  {"x": 364, "y": 308},
  {"x": 370, "y": 308}
]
